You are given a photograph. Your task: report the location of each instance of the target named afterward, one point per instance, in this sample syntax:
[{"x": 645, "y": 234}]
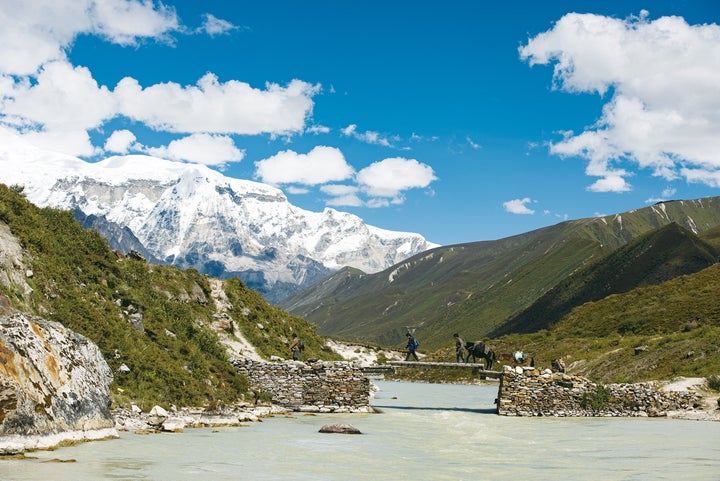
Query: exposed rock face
[{"x": 54, "y": 386}]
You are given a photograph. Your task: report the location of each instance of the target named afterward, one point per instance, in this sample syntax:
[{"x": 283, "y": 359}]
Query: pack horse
[{"x": 479, "y": 350}]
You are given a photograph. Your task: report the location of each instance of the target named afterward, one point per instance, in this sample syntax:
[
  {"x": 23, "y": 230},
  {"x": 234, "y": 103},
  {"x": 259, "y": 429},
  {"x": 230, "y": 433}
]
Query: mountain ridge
[
  {"x": 476, "y": 287},
  {"x": 188, "y": 215}
]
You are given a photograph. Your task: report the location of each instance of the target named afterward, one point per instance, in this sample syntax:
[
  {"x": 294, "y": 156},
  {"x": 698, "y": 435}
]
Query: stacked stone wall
[
  {"x": 313, "y": 387},
  {"x": 529, "y": 392}
]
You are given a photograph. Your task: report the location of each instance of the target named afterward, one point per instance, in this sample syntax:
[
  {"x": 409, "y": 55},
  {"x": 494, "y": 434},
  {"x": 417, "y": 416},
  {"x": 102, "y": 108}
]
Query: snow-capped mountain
[{"x": 191, "y": 216}]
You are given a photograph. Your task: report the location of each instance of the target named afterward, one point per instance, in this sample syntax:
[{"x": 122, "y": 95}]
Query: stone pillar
[{"x": 314, "y": 387}]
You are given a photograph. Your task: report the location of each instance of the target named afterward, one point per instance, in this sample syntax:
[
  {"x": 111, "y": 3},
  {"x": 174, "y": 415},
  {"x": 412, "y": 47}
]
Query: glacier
[{"x": 189, "y": 215}]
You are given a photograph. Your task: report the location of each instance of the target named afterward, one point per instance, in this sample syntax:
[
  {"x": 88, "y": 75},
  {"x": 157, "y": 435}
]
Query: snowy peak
[{"x": 192, "y": 216}]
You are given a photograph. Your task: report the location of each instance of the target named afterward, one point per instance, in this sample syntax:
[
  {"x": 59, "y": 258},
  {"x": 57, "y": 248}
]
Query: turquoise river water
[{"x": 421, "y": 432}]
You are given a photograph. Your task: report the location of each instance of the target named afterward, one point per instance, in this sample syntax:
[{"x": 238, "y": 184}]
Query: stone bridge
[{"x": 522, "y": 391}]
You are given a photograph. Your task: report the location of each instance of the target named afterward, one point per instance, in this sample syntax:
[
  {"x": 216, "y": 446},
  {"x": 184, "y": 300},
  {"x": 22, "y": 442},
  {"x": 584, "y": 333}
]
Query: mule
[{"x": 478, "y": 350}]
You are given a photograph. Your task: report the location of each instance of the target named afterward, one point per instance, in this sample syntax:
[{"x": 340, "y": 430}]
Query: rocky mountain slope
[
  {"x": 191, "y": 216},
  {"x": 475, "y": 288},
  {"x": 165, "y": 333}
]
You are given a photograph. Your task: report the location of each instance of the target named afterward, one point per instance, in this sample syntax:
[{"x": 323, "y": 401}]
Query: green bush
[{"x": 595, "y": 400}]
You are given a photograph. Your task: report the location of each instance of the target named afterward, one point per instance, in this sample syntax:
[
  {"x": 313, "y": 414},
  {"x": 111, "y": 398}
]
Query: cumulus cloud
[
  {"x": 664, "y": 80},
  {"x": 201, "y": 149},
  {"x": 519, "y": 206},
  {"x": 232, "y": 107},
  {"x": 319, "y": 166},
  {"x": 390, "y": 177},
  {"x": 37, "y": 32},
  {"x": 62, "y": 98},
  {"x": 51, "y": 102},
  {"x": 120, "y": 142}
]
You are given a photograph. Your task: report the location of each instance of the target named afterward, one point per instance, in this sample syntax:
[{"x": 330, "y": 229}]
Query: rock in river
[{"x": 340, "y": 429}]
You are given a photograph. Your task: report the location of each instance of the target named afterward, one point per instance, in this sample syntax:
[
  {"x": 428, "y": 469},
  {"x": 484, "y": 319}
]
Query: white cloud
[
  {"x": 56, "y": 104},
  {"x": 201, "y": 149},
  {"x": 232, "y": 107},
  {"x": 519, "y": 206},
  {"x": 72, "y": 142},
  {"x": 664, "y": 76},
  {"x": 120, "y": 142},
  {"x": 124, "y": 21},
  {"x": 63, "y": 98},
  {"x": 342, "y": 195},
  {"x": 368, "y": 136},
  {"x": 297, "y": 190},
  {"x": 317, "y": 129},
  {"x": 610, "y": 183},
  {"x": 215, "y": 26},
  {"x": 319, "y": 166},
  {"x": 36, "y": 32},
  {"x": 668, "y": 193},
  {"x": 389, "y": 177},
  {"x": 704, "y": 176},
  {"x": 379, "y": 202},
  {"x": 472, "y": 143}
]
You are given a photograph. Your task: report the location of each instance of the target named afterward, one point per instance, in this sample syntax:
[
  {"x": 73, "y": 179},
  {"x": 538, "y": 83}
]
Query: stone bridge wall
[
  {"x": 313, "y": 387},
  {"x": 529, "y": 392}
]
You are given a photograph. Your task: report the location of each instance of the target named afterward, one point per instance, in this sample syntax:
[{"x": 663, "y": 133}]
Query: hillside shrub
[{"x": 713, "y": 382}]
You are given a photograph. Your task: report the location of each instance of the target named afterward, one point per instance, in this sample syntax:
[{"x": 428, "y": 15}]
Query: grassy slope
[
  {"x": 653, "y": 258},
  {"x": 78, "y": 281}
]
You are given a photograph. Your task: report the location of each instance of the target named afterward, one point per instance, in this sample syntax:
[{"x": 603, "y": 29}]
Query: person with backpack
[
  {"x": 296, "y": 346},
  {"x": 411, "y": 346}
]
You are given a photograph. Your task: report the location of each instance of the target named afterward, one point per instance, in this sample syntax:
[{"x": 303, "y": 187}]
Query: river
[{"x": 422, "y": 432}]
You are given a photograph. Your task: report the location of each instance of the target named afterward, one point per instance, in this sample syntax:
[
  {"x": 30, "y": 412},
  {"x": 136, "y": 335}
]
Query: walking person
[
  {"x": 411, "y": 346},
  {"x": 459, "y": 348},
  {"x": 295, "y": 347}
]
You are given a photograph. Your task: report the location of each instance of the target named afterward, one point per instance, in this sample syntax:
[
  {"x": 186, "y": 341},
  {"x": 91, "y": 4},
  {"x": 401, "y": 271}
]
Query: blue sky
[{"x": 459, "y": 120}]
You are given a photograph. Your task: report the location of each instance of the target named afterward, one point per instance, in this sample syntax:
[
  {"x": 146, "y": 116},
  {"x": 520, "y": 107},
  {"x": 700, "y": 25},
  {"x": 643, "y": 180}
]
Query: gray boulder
[
  {"x": 54, "y": 386},
  {"x": 340, "y": 429}
]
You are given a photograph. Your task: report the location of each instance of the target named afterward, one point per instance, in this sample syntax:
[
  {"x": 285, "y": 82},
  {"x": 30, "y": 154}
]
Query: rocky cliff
[{"x": 54, "y": 386}]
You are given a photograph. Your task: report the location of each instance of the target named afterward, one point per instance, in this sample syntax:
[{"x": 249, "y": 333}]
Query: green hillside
[
  {"x": 475, "y": 288},
  {"x": 652, "y": 258},
  {"x": 649, "y": 333},
  {"x": 655, "y": 332},
  {"x": 157, "y": 320}
]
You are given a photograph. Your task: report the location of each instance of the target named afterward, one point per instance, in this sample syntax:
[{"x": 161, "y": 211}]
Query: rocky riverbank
[
  {"x": 175, "y": 420},
  {"x": 708, "y": 408},
  {"x": 532, "y": 392}
]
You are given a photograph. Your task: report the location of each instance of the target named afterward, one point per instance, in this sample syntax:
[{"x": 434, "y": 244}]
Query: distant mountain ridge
[
  {"x": 475, "y": 288},
  {"x": 188, "y": 215}
]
